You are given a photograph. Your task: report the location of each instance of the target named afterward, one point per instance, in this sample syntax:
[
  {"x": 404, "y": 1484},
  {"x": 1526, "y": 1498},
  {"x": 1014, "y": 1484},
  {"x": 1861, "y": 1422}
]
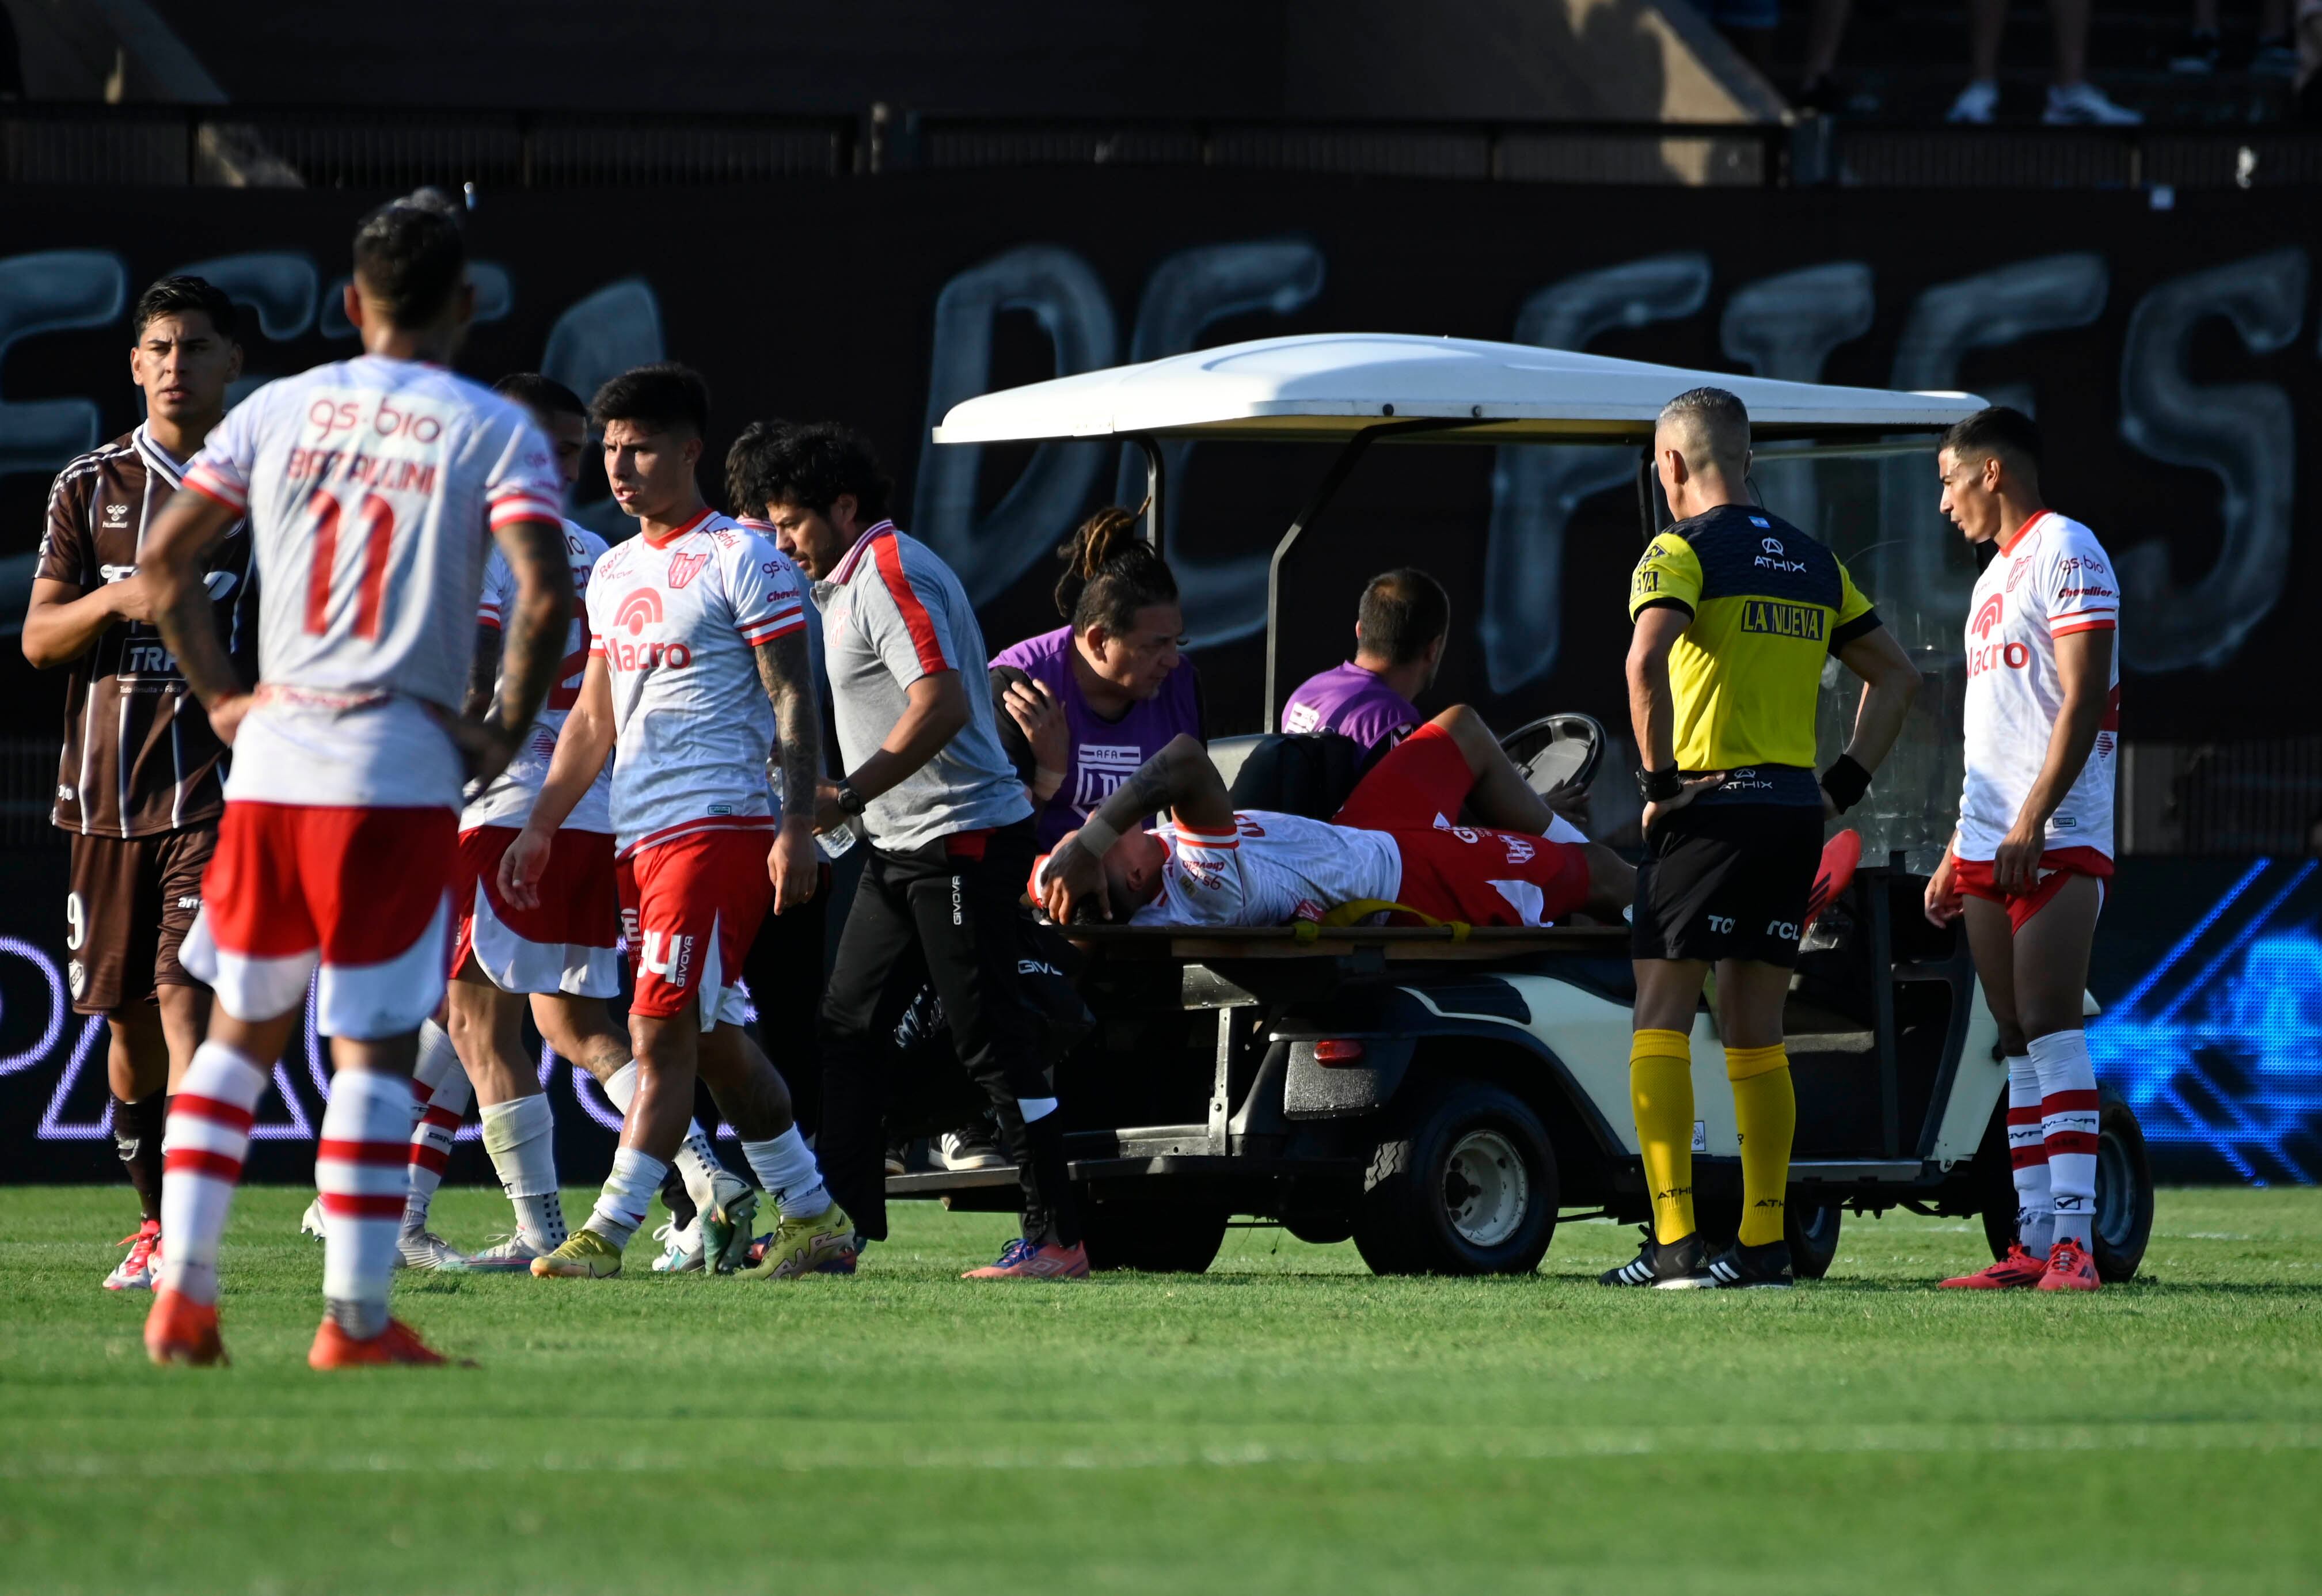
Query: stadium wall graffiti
[
  {"x": 2168, "y": 352},
  {"x": 2167, "y": 349}
]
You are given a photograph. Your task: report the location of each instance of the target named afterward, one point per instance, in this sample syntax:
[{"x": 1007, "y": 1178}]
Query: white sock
[
  {"x": 697, "y": 1159},
  {"x": 2028, "y": 1156},
  {"x": 520, "y": 1135},
  {"x": 359, "y": 1169},
  {"x": 2067, "y": 1125},
  {"x": 203, "y": 1146},
  {"x": 785, "y": 1167},
  {"x": 1035, "y": 1109},
  {"x": 628, "y": 1195},
  {"x": 437, "y": 1061}
]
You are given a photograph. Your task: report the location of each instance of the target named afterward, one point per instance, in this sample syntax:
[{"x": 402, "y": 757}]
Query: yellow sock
[
  {"x": 1660, "y": 1091},
  {"x": 1766, "y": 1114}
]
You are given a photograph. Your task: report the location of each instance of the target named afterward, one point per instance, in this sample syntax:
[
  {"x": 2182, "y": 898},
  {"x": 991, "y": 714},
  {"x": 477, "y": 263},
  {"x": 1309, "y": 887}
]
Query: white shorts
[{"x": 567, "y": 943}]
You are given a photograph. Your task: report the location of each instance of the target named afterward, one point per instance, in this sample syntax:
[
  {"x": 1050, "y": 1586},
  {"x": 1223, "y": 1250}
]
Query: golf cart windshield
[{"x": 1853, "y": 466}]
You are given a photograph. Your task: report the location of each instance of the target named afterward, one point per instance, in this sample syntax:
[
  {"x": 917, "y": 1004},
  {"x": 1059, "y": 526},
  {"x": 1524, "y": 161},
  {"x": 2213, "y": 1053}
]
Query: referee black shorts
[{"x": 1727, "y": 881}]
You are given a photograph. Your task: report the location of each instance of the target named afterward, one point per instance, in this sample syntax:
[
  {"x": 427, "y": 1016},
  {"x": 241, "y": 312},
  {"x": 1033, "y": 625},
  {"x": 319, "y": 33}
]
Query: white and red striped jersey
[
  {"x": 509, "y": 800},
  {"x": 371, "y": 487},
  {"x": 2049, "y": 580},
  {"x": 676, "y": 620},
  {"x": 1272, "y": 868}
]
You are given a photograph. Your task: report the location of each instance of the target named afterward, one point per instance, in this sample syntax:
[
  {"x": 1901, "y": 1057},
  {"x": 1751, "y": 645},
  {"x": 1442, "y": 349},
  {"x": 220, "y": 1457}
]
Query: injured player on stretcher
[{"x": 1397, "y": 849}]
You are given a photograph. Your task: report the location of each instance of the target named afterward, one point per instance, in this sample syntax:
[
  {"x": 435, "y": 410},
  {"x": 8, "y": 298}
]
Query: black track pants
[{"x": 937, "y": 915}]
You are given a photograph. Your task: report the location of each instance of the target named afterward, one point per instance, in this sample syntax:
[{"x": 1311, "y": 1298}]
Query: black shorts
[
  {"x": 132, "y": 900},
  {"x": 1727, "y": 881}
]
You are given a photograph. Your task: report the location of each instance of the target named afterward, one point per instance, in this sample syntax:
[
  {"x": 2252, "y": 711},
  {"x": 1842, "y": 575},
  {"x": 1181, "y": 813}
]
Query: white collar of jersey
[
  {"x": 845, "y": 570},
  {"x": 157, "y": 458}
]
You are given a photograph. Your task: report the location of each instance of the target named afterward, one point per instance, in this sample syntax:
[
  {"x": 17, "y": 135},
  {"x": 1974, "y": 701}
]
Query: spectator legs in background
[
  {"x": 2072, "y": 100},
  {"x": 1826, "y": 30}
]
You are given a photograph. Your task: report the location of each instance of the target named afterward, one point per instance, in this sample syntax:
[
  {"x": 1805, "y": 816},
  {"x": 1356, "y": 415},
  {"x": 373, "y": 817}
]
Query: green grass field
[{"x": 1286, "y": 1423}]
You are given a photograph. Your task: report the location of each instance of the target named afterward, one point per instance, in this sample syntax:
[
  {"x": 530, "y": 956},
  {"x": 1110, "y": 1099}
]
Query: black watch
[
  {"x": 1659, "y": 786},
  {"x": 850, "y": 800}
]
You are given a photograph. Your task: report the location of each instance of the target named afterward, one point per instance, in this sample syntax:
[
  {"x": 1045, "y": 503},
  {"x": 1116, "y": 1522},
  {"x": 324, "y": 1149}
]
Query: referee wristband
[
  {"x": 1846, "y": 781},
  {"x": 1660, "y": 786},
  {"x": 1098, "y": 838}
]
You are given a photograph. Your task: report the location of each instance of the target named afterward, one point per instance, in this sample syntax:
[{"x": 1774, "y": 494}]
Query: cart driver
[
  {"x": 1736, "y": 612},
  {"x": 1395, "y": 846}
]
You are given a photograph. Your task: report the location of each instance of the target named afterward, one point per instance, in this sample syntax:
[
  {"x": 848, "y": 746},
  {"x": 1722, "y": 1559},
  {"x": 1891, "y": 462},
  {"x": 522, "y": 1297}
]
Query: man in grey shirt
[{"x": 950, "y": 831}]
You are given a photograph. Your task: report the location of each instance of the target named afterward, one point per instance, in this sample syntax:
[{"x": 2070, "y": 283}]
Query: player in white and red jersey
[
  {"x": 369, "y": 485},
  {"x": 2028, "y": 863},
  {"x": 559, "y": 959},
  {"x": 697, "y": 659},
  {"x": 1395, "y": 846}
]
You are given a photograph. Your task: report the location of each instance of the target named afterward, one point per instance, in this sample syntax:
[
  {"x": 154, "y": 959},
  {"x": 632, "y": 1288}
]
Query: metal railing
[
  {"x": 271, "y": 146},
  {"x": 182, "y": 146},
  {"x": 2222, "y": 799}
]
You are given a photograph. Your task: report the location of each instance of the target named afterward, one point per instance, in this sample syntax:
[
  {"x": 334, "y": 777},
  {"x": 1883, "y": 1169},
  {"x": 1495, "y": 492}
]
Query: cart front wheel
[{"x": 1812, "y": 1232}]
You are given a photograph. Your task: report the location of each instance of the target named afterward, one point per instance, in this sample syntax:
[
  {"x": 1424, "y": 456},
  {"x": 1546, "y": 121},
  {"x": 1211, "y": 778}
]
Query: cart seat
[{"x": 1308, "y": 773}]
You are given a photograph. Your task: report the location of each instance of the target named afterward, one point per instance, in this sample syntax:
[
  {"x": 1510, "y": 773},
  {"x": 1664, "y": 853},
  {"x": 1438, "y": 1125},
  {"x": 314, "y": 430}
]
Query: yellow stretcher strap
[{"x": 1363, "y": 909}]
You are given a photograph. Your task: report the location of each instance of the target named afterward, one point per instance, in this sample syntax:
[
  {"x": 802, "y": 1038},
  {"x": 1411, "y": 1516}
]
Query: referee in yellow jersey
[{"x": 1735, "y": 611}]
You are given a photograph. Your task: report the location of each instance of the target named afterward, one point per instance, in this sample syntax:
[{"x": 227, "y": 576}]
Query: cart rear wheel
[
  {"x": 1156, "y": 1238},
  {"x": 1470, "y": 1187}
]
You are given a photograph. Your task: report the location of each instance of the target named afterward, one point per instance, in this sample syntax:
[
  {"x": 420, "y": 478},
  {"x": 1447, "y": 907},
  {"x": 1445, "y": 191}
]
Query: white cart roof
[{"x": 1329, "y": 386}]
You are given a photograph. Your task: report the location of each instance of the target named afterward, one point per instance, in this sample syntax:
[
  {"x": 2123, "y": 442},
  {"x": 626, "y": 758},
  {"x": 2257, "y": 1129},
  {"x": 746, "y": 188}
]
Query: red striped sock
[
  {"x": 2028, "y": 1156},
  {"x": 2069, "y": 1112},
  {"x": 202, "y": 1153},
  {"x": 431, "y": 1152},
  {"x": 359, "y": 1169},
  {"x": 440, "y": 1095}
]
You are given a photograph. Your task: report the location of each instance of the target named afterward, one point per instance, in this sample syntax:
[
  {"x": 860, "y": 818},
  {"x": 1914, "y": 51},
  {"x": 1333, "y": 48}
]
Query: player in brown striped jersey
[{"x": 140, "y": 787}]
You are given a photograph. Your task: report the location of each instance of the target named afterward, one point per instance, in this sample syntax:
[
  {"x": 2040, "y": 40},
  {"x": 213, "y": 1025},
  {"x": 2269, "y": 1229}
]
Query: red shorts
[
  {"x": 1420, "y": 784},
  {"x": 360, "y": 892},
  {"x": 1490, "y": 877},
  {"x": 691, "y": 908},
  {"x": 1461, "y": 872},
  {"x": 1972, "y": 878},
  {"x": 569, "y": 943}
]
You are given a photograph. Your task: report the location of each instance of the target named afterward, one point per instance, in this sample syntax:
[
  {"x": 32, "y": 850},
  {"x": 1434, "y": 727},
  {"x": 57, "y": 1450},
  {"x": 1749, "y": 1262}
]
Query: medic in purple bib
[
  {"x": 1399, "y": 634},
  {"x": 1098, "y": 698}
]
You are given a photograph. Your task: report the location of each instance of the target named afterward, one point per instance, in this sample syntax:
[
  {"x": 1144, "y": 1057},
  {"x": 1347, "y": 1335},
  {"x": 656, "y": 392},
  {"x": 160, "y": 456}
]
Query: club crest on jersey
[
  {"x": 1987, "y": 617},
  {"x": 684, "y": 568},
  {"x": 2016, "y": 571}
]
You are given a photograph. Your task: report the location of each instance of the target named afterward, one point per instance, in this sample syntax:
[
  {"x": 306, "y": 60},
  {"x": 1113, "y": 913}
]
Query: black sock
[
  {"x": 137, "y": 1130},
  {"x": 677, "y": 1199}
]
